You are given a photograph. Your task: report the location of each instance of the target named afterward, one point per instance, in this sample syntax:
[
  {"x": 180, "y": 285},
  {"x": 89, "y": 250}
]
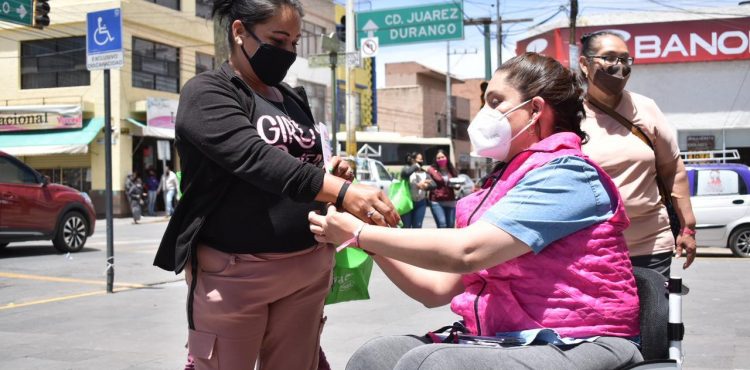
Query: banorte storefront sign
[
  {"x": 667, "y": 42},
  {"x": 40, "y": 117}
]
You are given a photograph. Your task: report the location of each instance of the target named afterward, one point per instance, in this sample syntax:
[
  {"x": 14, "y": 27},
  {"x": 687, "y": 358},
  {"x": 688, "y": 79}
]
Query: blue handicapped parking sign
[{"x": 104, "y": 39}]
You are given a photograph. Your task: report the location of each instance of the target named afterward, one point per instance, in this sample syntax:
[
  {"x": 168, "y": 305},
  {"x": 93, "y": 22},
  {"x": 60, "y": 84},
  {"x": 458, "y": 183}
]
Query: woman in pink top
[
  {"x": 605, "y": 62},
  {"x": 538, "y": 259}
]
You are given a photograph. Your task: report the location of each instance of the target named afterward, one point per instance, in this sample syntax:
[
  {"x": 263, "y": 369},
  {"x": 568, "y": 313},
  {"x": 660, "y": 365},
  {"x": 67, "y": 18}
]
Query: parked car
[
  {"x": 31, "y": 208},
  {"x": 373, "y": 172},
  {"x": 721, "y": 203}
]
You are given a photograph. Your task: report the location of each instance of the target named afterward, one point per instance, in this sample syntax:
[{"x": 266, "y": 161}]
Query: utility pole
[
  {"x": 448, "y": 93},
  {"x": 573, "y": 50},
  {"x": 333, "y": 58},
  {"x": 500, "y": 22},
  {"x": 448, "y": 105},
  {"x": 351, "y": 129},
  {"x": 487, "y": 47},
  {"x": 499, "y": 34}
]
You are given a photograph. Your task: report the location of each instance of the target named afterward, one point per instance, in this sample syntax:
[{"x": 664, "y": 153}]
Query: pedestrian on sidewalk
[
  {"x": 169, "y": 186},
  {"x": 632, "y": 140},
  {"x": 153, "y": 186},
  {"x": 419, "y": 187},
  {"x": 539, "y": 255},
  {"x": 442, "y": 196},
  {"x": 135, "y": 195},
  {"x": 257, "y": 278}
]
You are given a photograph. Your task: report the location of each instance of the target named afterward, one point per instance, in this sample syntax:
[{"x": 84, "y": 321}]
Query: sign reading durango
[
  {"x": 667, "y": 42},
  {"x": 422, "y": 23}
]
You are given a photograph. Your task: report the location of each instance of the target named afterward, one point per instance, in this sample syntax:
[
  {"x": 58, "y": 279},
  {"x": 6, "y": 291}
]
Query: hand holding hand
[
  {"x": 340, "y": 168},
  {"x": 370, "y": 205},
  {"x": 335, "y": 227}
]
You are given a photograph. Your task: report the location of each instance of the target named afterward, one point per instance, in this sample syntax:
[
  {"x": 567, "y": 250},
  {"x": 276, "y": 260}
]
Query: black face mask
[
  {"x": 269, "y": 62},
  {"x": 612, "y": 79}
]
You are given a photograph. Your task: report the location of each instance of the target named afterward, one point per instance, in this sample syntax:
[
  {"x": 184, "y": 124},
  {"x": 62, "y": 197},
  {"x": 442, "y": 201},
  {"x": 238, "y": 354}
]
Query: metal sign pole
[{"x": 108, "y": 185}]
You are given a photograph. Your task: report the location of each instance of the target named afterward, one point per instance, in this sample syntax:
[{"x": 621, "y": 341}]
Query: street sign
[
  {"x": 369, "y": 47},
  {"x": 17, "y": 11},
  {"x": 324, "y": 60},
  {"x": 444, "y": 21},
  {"x": 104, "y": 40}
]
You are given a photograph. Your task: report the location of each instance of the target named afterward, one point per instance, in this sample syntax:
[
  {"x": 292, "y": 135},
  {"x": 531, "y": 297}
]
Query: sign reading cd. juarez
[{"x": 436, "y": 22}]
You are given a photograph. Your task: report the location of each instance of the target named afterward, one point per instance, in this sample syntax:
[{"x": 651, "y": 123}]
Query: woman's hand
[
  {"x": 371, "y": 205},
  {"x": 340, "y": 168},
  {"x": 335, "y": 227},
  {"x": 686, "y": 244}
]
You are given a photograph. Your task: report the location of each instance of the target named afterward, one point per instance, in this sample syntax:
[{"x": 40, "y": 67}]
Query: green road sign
[
  {"x": 444, "y": 21},
  {"x": 17, "y": 11}
]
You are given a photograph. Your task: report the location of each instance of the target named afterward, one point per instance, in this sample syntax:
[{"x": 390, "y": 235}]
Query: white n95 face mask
[{"x": 490, "y": 133}]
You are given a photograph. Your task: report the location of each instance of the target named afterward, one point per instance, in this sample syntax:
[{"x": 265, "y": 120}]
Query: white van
[{"x": 373, "y": 172}]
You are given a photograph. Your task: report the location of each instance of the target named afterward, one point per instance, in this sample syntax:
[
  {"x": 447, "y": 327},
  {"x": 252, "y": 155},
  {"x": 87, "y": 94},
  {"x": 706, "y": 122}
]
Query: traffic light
[
  {"x": 41, "y": 13},
  {"x": 341, "y": 29}
]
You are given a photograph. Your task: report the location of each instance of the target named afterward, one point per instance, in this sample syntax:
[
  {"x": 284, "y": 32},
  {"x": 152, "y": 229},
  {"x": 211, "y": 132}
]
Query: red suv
[{"x": 33, "y": 209}]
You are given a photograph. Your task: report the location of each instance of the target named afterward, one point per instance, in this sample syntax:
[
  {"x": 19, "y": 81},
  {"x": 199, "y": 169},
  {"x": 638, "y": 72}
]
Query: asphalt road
[{"x": 55, "y": 314}]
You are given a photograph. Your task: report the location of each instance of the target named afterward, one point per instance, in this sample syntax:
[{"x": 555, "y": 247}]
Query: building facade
[
  {"x": 413, "y": 103},
  {"x": 53, "y": 108}
]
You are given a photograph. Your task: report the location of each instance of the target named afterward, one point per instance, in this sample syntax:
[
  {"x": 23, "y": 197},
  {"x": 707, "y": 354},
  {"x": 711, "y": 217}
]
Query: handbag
[
  {"x": 400, "y": 196},
  {"x": 351, "y": 276},
  {"x": 674, "y": 220}
]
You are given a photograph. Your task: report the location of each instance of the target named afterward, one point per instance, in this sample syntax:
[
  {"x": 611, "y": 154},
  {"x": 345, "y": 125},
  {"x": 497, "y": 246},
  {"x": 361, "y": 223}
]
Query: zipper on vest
[{"x": 476, "y": 306}]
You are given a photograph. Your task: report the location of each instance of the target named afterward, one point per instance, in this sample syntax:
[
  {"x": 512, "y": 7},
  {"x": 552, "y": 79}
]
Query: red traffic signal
[{"x": 41, "y": 13}]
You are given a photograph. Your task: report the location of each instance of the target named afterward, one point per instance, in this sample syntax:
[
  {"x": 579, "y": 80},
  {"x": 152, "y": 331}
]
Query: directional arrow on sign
[
  {"x": 370, "y": 27},
  {"x": 21, "y": 11}
]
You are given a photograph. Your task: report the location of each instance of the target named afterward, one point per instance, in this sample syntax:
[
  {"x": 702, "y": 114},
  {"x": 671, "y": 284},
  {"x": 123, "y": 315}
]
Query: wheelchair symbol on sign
[{"x": 101, "y": 35}]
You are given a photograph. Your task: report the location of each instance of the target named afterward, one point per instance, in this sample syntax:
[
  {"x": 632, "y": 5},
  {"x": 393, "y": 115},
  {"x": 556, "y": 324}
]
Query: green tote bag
[
  {"x": 351, "y": 276},
  {"x": 400, "y": 196}
]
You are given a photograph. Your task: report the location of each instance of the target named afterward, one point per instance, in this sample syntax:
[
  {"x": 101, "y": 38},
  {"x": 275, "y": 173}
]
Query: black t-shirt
[{"x": 235, "y": 226}]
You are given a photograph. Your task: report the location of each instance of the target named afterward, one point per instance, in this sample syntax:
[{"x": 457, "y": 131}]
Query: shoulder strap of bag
[{"x": 635, "y": 130}]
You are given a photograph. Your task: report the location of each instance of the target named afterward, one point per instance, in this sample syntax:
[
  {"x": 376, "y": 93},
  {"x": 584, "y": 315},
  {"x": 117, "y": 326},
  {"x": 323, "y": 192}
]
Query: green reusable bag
[
  {"x": 351, "y": 276},
  {"x": 401, "y": 197}
]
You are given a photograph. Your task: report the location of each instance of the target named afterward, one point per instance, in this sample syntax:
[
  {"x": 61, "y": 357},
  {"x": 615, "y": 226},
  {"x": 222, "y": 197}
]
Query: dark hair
[
  {"x": 587, "y": 41},
  {"x": 249, "y": 12},
  {"x": 412, "y": 157},
  {"x": 451, "y": 169},
  {"x": 533, "y": 75}
]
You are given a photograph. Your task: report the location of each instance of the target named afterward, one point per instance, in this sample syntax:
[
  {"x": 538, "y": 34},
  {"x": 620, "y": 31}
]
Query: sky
[{"x": 468, "y": 60}]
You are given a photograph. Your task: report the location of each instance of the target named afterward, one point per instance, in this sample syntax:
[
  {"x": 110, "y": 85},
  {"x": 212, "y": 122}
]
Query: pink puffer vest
[{"x": 581, "y": 285}]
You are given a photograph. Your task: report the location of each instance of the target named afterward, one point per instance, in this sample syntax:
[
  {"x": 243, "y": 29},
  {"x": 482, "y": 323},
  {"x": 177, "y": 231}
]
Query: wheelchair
[{"x": 662, "y": 329}]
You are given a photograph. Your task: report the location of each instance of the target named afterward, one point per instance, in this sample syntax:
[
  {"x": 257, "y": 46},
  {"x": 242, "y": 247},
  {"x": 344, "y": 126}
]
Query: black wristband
[{"x": 342, "y": 194}]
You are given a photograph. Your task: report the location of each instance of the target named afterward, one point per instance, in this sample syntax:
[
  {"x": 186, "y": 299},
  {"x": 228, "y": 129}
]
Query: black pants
[{"x": 660, "y": 262}]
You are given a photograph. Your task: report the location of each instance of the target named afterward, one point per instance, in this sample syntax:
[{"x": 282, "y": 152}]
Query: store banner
[
  {"x": 705, "y": 40},
  {"x": 161, "y": 112},
  {"x": 40, "y": 117}
]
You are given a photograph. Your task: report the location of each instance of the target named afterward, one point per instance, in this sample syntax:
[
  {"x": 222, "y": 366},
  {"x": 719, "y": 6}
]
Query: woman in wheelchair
[{"x": 538, "y": 267}]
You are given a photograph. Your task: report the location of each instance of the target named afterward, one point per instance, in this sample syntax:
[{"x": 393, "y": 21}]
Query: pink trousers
[{"x": 266, "y": 307}]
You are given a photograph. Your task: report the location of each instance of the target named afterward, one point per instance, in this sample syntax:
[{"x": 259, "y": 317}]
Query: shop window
[
  {"x": 203, "y": 8},
  {"x": 172, "y": 4},
  {"x": 54, "y": 63},
  {"x": 311, "y": 42},
  {"x": 156, "y": 66},
  {"x": 204, "y": 62},
  {"x": 76, "y": 178},
  {"x": 316, "y": 95}
]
